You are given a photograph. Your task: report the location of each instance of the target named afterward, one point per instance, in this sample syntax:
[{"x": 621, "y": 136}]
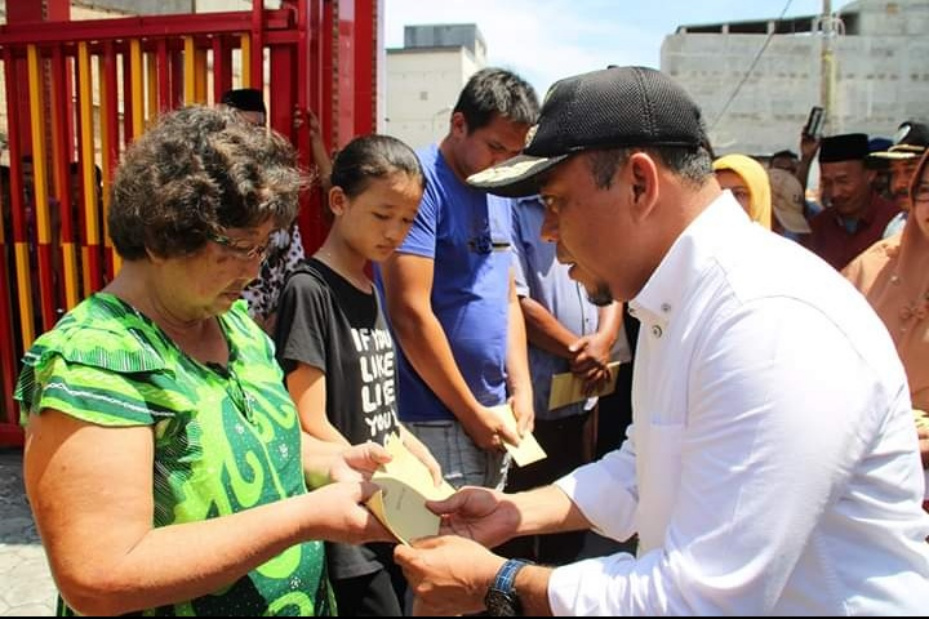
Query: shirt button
[
  {"x": 656, "y": 331},
  {"x": 665, "y": 307}
]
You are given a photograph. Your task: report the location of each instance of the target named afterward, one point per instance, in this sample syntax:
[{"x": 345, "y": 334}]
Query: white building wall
[
  {"x": 882, "y": 78},
  {"x": 422, "y": 88}
]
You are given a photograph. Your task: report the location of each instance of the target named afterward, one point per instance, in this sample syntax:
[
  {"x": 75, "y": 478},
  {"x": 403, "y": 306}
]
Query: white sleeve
[{"x": 605, "y": 491}]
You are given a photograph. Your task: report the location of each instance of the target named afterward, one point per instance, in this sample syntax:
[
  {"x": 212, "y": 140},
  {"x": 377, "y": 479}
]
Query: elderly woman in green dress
[{"x": 164, "y": 461}]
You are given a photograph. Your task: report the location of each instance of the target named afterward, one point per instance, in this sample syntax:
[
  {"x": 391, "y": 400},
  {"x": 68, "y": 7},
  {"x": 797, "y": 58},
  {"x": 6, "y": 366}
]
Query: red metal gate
[{"x": 78, "y": 92}]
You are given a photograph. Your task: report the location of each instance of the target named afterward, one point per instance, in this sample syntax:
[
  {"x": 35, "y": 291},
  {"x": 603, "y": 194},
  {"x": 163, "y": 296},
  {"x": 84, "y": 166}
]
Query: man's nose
[{"x": 549, "y": 230}]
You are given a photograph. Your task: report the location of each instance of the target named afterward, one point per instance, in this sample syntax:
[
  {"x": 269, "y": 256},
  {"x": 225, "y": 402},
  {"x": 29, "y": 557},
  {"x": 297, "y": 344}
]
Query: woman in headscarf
[
  {"x": 748, "y": 181},
  {"x": 894, "y": 276}
]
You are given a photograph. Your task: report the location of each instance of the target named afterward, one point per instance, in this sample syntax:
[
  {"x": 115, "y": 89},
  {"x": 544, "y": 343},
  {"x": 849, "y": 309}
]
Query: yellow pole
[
  {"x": 106, "y": 143},
  {"x": 190, "y": 69},
  {"x": 91, "y": 225},
  {"x": 138, "y": 88},
  {"x": 246, "y": 57},
  {"x": 200, "y": 75},
  {"x": 37, "y": 109}
]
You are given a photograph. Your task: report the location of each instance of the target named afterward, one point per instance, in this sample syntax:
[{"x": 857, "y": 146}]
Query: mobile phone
[{"x": 815, "y": 122}]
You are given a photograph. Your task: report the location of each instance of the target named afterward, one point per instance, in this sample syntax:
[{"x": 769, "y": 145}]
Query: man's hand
[
  {"x": 480, "y": 514},
  {"x": 809, "y": 146},
  {"x": 591, "y": 360},
  {"x": 448, "y": 575}
]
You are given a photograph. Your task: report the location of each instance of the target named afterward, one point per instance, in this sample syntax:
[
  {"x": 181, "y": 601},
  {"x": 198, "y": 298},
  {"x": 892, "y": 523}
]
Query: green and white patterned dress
[{"x": 226, "y": 439}]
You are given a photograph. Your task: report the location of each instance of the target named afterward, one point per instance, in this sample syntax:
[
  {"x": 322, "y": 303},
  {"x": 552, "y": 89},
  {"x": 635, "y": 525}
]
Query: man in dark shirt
[{"x": 855, "y": 216}]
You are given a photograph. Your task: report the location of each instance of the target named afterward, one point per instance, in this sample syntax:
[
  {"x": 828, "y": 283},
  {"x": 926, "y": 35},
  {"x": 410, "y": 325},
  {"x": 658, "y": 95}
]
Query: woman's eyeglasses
[{"x": 242, "y": 252}]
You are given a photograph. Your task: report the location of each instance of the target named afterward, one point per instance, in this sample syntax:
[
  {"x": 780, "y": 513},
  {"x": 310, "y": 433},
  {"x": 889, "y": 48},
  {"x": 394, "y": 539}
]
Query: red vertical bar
[
  {"x": 345, "y": 75},
  {"x": 8, "y": 363},
  {"x": 258, "y": 45},
  {"x": 42, "y": 202},
  {"x": 60, "y": 111},
  {"x": 10, "y": 433},
  {"x": 81, "y": 238},
  {"x": 283, "y": 72},
  {"x": 13, "y": 69},
  {"x": 128, "y": 98},
  {"x": 327, "y": 78},
  {"x": 177, "y": 77},
  {"x": 366, "y": 46},
  {"x": 222, "y": 67},
  {"x": 303, "y": 87},
  {"x": 164, "y": 77},
  {"x": 110, "y": 129}
]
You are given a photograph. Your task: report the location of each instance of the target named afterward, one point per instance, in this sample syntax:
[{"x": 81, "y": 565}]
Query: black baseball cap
[
  {"x": 617, "y": 107},
  {"x": 910, "y": 142}
]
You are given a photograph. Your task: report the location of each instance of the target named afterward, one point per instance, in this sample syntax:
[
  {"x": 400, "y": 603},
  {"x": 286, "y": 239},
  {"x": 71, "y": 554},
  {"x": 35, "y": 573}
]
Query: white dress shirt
[{"x": 772, "y": 466}]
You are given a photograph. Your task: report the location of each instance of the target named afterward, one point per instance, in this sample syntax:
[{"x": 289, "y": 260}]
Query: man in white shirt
[{"x": 772, "y": 466}]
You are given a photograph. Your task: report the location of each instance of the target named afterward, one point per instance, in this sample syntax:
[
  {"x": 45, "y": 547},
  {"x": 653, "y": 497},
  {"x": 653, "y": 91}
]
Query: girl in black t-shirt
[{"x": 333, "y": 343}]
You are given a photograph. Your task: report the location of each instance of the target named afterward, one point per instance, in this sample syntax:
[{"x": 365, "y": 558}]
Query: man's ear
[
  {"x": 458, "y": 125},
  {"x": 642, "y": 177},
  {"x": 338, "y": 201}
]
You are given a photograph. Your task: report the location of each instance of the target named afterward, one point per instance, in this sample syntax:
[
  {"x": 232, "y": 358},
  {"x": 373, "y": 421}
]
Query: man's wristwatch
[{"x": 501, "y": 599}]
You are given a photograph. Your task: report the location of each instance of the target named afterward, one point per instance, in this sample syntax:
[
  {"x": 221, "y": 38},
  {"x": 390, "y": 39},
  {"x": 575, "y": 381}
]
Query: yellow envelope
[
  {"x": 405, "y": 486},
  {"x": 569, "y": 389},
  {"x": 528, "y": 450}
]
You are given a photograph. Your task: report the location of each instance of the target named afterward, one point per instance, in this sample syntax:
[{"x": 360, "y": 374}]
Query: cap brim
[
  {"x": 516, "y": 177},
  {"x": 900, "y": 152},
  {"x": 792, "y": 221},
  {"x": 895, "y": 155}
]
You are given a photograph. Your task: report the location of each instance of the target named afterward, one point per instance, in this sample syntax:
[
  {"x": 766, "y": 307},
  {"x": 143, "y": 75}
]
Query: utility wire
[{"x": 748, "y": 73}]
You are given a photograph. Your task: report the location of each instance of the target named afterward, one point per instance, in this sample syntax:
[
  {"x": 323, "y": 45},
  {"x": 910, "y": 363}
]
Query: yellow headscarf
[{"x": 756, "y": 180}]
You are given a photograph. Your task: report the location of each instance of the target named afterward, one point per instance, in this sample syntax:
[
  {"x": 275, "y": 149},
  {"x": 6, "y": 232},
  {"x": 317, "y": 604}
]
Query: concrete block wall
[{"x": 882, "y": 78}]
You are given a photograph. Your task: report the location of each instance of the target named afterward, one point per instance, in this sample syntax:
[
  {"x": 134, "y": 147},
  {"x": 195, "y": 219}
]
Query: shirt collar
[{"x": 688, "y": 257}]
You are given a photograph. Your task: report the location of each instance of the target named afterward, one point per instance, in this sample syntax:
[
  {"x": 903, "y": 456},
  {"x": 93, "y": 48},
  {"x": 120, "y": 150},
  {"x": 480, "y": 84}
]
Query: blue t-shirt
[
  {"x": 542, "y": 278},
  {"x": 468, "y": 234}
]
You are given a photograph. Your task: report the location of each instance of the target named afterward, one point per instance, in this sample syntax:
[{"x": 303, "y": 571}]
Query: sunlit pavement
[{"x": 26, "y": 587}]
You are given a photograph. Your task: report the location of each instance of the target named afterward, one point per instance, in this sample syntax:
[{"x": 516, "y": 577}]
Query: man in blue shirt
[
  {"x": 450, "y": 292},
  {"x": 566, "y": 333}
]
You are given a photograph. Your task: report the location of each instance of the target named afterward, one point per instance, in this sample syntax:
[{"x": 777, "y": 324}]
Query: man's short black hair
[{"x": 493, "y": 91}]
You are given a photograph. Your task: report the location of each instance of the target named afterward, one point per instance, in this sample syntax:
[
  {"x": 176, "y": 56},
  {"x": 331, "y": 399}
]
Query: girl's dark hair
[
  {"x": 198, "y": 171},
  {"x": 373, "y": 157}
]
